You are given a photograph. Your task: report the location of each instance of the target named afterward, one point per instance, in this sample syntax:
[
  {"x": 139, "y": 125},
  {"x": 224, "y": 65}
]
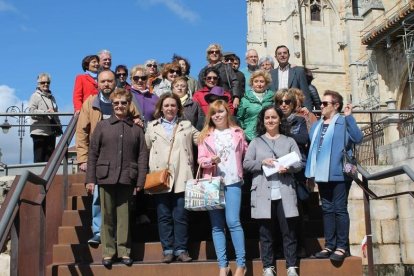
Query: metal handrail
[
  {"x": 45, "y": 179},
  {"x": 368, "y": 193}
]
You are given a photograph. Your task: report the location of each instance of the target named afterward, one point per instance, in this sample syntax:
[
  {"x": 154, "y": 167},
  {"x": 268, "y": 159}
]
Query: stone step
[
  {"x": 146, "y": 252},
  {"x": 352, "y": 266}
]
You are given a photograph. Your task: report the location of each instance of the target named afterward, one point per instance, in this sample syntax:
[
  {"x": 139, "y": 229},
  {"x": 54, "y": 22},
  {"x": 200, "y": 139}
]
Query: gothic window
[{"x": 315, "y": 10}]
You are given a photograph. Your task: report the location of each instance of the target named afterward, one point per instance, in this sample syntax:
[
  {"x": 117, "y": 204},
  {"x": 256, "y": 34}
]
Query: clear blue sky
[{"x": 54, "y": 36}]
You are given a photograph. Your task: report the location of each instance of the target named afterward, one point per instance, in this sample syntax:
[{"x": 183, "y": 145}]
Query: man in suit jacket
[{"x": 286, "y": 76}]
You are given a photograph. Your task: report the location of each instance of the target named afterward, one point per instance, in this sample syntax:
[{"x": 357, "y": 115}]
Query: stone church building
[{"x": 363, "y": 49}]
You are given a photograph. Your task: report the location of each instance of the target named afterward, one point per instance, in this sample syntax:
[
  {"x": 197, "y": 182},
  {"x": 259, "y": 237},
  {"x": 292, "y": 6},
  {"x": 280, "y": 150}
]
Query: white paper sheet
[{"x": 285, "y": 161}]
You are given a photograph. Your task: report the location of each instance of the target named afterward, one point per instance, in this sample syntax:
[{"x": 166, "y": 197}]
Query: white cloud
[
  {"x": 10, "y": 142},
  {"x": 175, "y": 6},
  {"x": 5, "y": 7}
]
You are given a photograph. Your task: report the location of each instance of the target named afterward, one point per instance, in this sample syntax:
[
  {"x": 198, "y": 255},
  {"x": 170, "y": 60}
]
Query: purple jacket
[{"x": 145, "y": 101}]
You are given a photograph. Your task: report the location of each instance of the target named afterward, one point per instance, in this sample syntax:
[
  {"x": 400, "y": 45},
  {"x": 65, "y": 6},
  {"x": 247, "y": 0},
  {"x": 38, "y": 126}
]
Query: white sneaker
[
  {"x": 291, "y": 271},
  {"x": 269, "y": 271}
]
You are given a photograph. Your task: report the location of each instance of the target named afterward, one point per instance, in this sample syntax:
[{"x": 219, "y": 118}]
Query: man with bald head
[{"x": 95, "y": 109}]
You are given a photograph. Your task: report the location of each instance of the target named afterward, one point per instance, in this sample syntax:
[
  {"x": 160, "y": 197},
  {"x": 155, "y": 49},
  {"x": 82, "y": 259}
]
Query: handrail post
[
  {"x": 371, "y": 119},
  {"x": 368, "y": 231}
]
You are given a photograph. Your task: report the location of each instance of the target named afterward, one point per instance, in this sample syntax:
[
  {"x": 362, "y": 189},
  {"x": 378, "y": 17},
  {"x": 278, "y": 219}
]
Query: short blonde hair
[
  {"x": 260, "y": 73},
  {"x": 137, "y": 68}
]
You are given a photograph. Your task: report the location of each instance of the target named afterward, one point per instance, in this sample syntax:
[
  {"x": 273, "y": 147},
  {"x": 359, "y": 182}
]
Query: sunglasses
[
  {"x": 211, "y": 78},
  {"x": 121, "y": 74},
  {"x": 44, "y": 82},
  {"x": 326, "y": 103},
  {"x": 116, "y": 103},
  {"x": 172, "y": 71},
  {"x": 138, "y": 78},
  {"x": 214, "y": 52},
  {"x": 152, "y": 65},
  {"x": 229, "y": 59},
  {"x": 286, "y": 102}
]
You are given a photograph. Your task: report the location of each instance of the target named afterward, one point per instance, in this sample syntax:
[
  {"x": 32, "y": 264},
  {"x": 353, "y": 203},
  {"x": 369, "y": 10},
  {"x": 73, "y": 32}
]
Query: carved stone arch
[{"x": 403, "y": 91}]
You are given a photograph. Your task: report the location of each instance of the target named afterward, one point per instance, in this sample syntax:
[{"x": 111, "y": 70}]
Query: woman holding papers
[
  {"x": 220, "y": 151},
  {"x": 273, "y": 197}
]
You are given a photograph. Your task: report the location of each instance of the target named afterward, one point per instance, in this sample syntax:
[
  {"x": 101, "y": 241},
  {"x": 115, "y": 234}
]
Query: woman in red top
[
  {"x": 211, "y": 79},
  {"x": 86, "y": 84}
]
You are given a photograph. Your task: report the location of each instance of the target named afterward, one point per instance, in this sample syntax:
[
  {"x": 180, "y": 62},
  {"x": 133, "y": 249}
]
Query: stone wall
[{"x": 392, "y": 220}]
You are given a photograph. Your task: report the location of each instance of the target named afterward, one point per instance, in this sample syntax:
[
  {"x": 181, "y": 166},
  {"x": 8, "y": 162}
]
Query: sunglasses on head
[
  {"x": 211, "y": 78},
  {"x": 137, "y": 78},
  {"x": 229, "y": 59},
  {"x": 121, "y": 74},
  {"x": 172, "y": 71},
  {"x": 116, "y": 103},
  {"x": 152, "y": 65},
  {"x": 214, "y": 52},
  {"x": 44, "y": 82},
  {"x": 286, "y": 102}
]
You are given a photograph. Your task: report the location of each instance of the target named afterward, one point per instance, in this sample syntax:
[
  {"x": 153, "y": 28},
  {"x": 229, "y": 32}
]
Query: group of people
[{"x": 232, "y": 124}]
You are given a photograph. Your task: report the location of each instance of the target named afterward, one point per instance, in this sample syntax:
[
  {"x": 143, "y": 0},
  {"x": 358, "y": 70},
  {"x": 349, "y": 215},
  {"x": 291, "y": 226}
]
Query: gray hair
[
  {"x": 267, "y": 58},
  {"x": 150, "y": 61},
  {"x": 102, "y": 52},
  {"x": 41, "y": 75},
  {"x": 247, "y": 52}
]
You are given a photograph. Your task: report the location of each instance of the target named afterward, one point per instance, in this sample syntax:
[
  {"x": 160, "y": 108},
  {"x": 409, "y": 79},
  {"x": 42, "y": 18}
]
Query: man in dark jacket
[
  {"x": 286, "y": 76},
  {"x": 234, "y": 61},
  {"x": 228, "y": 79}
]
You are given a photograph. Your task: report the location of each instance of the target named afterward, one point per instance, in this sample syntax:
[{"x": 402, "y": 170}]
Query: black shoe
[
  {"x": 95, "y": 240},
  {"x": 339, "y": 257},
  {"x": 168, "y": 258},
  {"x": 184, "y": 257},
  {"x": 324, "y": 254},
  {"x": 107, "y": 263},
  {"x": 127, "y": 261}
]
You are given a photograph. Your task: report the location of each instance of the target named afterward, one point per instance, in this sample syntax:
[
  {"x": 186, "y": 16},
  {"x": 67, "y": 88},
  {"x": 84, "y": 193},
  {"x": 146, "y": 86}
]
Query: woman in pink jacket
[{"x": 220, "y": 151}]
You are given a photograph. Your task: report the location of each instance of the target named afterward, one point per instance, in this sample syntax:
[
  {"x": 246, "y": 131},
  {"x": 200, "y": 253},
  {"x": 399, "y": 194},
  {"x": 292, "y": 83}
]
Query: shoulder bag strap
[
  {"x": 267, "y": 144},
  {"x": 172, "y": 143}
]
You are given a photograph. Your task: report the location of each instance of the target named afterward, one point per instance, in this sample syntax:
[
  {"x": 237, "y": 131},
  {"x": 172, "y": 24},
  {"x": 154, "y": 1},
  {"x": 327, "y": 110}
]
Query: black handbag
[{"x": 56, "y": 127}]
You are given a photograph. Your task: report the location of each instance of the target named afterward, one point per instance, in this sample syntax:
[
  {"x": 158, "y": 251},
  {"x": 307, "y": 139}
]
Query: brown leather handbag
[{"x": 159, "y": 181}]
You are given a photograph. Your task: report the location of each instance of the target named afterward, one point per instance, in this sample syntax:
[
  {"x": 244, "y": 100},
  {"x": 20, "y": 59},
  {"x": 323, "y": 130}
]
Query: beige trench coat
[{"x": 182, "y": 157}]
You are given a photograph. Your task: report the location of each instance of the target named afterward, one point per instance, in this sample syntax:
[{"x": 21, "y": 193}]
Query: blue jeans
[
  {"x": 334, "y": 197},
  {"x": 172, "y": 222},
  {"x": 96, "y": 212},
  {"x": 231, "y": 215}
]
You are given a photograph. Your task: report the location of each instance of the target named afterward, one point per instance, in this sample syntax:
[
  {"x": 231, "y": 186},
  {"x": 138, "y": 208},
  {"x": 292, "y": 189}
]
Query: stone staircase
[{"x": 73, "y": 256}]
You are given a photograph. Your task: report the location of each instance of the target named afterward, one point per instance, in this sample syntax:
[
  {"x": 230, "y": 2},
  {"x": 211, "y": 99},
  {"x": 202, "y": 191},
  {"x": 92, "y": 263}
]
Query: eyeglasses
[
  {"x": 286, "y": 102},
  {"x": 152, "y": 65},
  {"x": 121, "y": 74},
  {"x": 172, "y": 71},
  {"x": 211, "y": 78},
  {"x": 44, "y": 82},
  {"x": 229, "y": 59},
  {"x": 214, "y": 52},
  {"x": 123, "y": 103},
  {"x": 138, "y": 78},
  {"x": 326, "y": 103}
]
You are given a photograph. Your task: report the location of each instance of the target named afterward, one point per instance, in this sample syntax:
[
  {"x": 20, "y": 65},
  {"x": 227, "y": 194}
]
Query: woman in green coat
[{"x": 257, "y": 97}]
